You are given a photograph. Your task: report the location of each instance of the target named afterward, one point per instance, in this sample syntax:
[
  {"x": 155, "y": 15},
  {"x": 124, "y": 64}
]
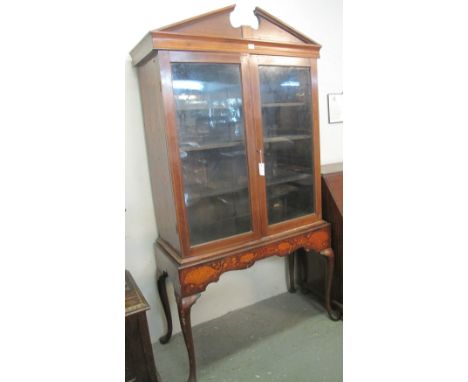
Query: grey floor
[{"x": 285, "y": 338}]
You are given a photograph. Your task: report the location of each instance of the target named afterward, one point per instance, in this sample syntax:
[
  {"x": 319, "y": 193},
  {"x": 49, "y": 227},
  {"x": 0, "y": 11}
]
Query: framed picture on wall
[{"x": 335, "y": 108}]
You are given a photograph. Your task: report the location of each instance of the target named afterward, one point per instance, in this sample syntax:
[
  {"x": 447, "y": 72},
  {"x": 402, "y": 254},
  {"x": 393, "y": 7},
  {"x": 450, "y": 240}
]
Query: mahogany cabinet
[{"x": 232, "y": 133}]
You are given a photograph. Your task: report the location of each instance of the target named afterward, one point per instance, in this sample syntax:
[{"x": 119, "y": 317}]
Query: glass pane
[
  {"x": 287, "y": 136},
  {"x": 210, "y": 124}
]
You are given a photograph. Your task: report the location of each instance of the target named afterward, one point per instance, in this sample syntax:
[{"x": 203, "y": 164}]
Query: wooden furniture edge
[
  {"x": 274, "y": 20},
  {"x": 197, "y": 18},
  {"x": 142, "y": 305},
  {"x": 141, "y": 52},
  {"x": 331, "y": 168},
  {"x": 161, "y": 40}
]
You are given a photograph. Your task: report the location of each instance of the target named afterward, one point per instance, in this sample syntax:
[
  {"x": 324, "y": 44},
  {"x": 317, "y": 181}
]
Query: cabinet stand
[{"x": 192, "y": 278}]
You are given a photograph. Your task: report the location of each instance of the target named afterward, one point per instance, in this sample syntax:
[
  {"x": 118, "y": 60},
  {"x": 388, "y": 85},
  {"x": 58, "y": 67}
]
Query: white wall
[{"x": 319, "y": 19}]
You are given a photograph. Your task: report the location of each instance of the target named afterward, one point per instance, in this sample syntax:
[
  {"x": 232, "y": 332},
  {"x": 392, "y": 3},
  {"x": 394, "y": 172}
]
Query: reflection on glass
[
  {"x": 287, "y": 136},
  {"x": 210, "y": 124}
]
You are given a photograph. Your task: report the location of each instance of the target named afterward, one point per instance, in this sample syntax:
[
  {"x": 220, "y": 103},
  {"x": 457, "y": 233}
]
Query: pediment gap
[{"x": 218, "y": 24}]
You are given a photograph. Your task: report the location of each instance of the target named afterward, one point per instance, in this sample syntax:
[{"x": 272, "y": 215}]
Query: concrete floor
[{"x": 285, "y": 338}]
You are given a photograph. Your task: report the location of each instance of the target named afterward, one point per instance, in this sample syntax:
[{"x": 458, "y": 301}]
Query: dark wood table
[
  {"x": 312, "y": 267},
  {"x": 139, "y": 359}
]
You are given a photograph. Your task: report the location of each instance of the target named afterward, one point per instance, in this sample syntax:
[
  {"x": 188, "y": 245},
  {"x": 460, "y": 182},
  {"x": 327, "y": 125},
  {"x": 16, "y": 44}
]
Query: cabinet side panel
[{"x": 156, "y": 146}]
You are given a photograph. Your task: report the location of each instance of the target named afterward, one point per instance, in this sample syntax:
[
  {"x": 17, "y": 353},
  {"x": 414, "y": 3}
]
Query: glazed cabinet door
[
  {"x": 287, "y": 120},
  {"x": 212, "y": 134}
]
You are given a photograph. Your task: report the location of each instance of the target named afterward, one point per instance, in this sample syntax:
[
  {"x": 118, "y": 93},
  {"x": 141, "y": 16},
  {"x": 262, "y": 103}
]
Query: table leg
[
  {"x": 301, "y": 266},
  {"x": 165, "y": 303},
  {"x": 330, "y": 257},
  {"x": 184, "y": 305},
  {"x": 291, "y": 271}
]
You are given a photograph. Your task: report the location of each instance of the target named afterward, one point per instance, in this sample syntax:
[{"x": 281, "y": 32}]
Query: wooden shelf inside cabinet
[
  {"x": 288, "y": 179},
  {"x": 205, "y": 107},
  {"x": 210, "y": 146},
  {"x": 283, "y": 104},
  {"x": 223, "y": 145},
  {"x": 226, "y": 191},
  {"x": 201, "y": 191},
  {"x": 286, "y": 138}
]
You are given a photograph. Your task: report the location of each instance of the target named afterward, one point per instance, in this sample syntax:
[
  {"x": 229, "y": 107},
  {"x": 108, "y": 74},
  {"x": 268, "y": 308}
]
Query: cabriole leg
[
  {"x": 330, "y": 256},
  {"x": 165, "y": 303},
  {"x": 184, "y": 305}
]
